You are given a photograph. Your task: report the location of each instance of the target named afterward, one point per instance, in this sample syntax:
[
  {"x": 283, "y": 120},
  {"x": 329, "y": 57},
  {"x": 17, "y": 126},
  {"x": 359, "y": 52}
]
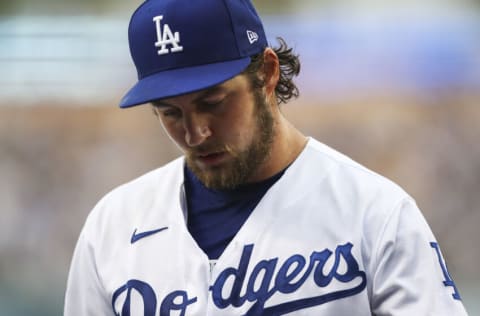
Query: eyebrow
[
  {"x": 210, "y": 91},
  {"x": 160, "y": 104},
  {"x": 206, "y": 93}
]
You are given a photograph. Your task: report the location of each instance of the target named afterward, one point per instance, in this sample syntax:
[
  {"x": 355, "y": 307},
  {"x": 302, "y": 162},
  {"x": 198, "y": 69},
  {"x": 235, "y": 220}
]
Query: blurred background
[{"x": 393, "y": 84}]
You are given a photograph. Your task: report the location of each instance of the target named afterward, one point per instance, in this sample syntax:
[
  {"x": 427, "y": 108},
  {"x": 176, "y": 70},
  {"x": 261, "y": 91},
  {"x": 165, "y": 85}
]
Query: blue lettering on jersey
[
  {"x": 169, "y": 304},
  {"x": 260, "y": 285},
  {"x": 448, "y": 279},
  {"x": 282, "y": 282},
  {"x": 145, "y": 291}
]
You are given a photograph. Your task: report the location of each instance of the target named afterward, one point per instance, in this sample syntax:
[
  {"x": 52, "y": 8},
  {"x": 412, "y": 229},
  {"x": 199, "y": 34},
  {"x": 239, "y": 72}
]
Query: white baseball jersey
[{"x": 329, "y": 238}]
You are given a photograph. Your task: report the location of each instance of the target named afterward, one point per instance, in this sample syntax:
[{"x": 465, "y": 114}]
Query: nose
[{"x": 197, "y": 129}]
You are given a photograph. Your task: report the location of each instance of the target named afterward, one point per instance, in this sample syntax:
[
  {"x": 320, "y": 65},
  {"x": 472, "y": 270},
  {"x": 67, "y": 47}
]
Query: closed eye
[
  {"x": 171, "y": 112},
  {"x": 210, "y": 105},
  {"x": 167, "y": 111}
]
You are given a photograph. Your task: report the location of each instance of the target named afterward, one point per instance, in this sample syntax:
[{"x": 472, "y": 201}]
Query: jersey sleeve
[
  {"x": 409, "y": 275},
  {"x": 84, "y": 294}
]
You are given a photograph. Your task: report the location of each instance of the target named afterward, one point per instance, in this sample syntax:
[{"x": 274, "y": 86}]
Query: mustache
[{"x": 205, "y": 149}]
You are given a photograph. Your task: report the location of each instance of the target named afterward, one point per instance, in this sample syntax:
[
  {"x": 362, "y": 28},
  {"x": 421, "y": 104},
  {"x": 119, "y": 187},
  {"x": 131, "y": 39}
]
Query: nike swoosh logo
[{"x": 136, "y": 237}]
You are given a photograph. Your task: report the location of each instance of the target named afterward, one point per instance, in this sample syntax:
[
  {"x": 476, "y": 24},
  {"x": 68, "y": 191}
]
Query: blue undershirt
[{"x": 215, "y": 216}]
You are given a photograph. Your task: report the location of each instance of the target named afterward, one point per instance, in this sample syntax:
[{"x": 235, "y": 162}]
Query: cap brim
[{"x": 171, "y": 83}]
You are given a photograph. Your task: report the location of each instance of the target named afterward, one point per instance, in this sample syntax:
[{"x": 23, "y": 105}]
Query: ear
[{"x": 271, "y": 71}]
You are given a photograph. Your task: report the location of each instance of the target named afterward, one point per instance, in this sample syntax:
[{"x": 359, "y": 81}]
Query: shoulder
[
  {"x": 347, "y": 195},
  {"x": 343, "y": 173},
  {"x": 133, "y": 201},
  {"x": 151, "y": 184},
  {"x": 153, "y": 181}
]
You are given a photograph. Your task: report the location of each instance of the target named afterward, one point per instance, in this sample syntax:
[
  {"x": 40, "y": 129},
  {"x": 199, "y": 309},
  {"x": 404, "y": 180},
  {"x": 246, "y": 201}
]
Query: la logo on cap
[{"x": 166, "y": 37}]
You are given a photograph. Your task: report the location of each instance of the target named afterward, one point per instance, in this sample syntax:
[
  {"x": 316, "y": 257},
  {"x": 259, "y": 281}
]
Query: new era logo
[{"x": 252, "y": 36}]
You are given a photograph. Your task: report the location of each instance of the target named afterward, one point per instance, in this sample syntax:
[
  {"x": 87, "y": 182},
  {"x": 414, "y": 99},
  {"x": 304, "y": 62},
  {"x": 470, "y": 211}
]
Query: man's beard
[{"x": 245, "y": 163}]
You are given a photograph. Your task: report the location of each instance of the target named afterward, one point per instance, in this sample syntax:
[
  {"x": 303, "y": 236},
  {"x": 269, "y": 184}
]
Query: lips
[{"x": 211, "y": 159}]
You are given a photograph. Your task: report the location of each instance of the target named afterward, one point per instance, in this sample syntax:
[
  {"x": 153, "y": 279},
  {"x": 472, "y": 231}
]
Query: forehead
[{"x": 236, "y": 83}]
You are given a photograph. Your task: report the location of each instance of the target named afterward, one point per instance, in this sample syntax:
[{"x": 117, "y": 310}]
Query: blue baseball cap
[{"x": 182, "y": 46}]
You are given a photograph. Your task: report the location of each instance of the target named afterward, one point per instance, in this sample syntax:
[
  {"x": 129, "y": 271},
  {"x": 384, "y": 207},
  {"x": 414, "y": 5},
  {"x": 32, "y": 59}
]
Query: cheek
[
  {"x": 241, "y": 130},
  {"x": 243, "y": 124},
  {"x": 175, "y": 133}
]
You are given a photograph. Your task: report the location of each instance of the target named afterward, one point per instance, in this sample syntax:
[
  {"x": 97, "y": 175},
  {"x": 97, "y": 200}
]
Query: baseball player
[{"x": 255, "y": 218}]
